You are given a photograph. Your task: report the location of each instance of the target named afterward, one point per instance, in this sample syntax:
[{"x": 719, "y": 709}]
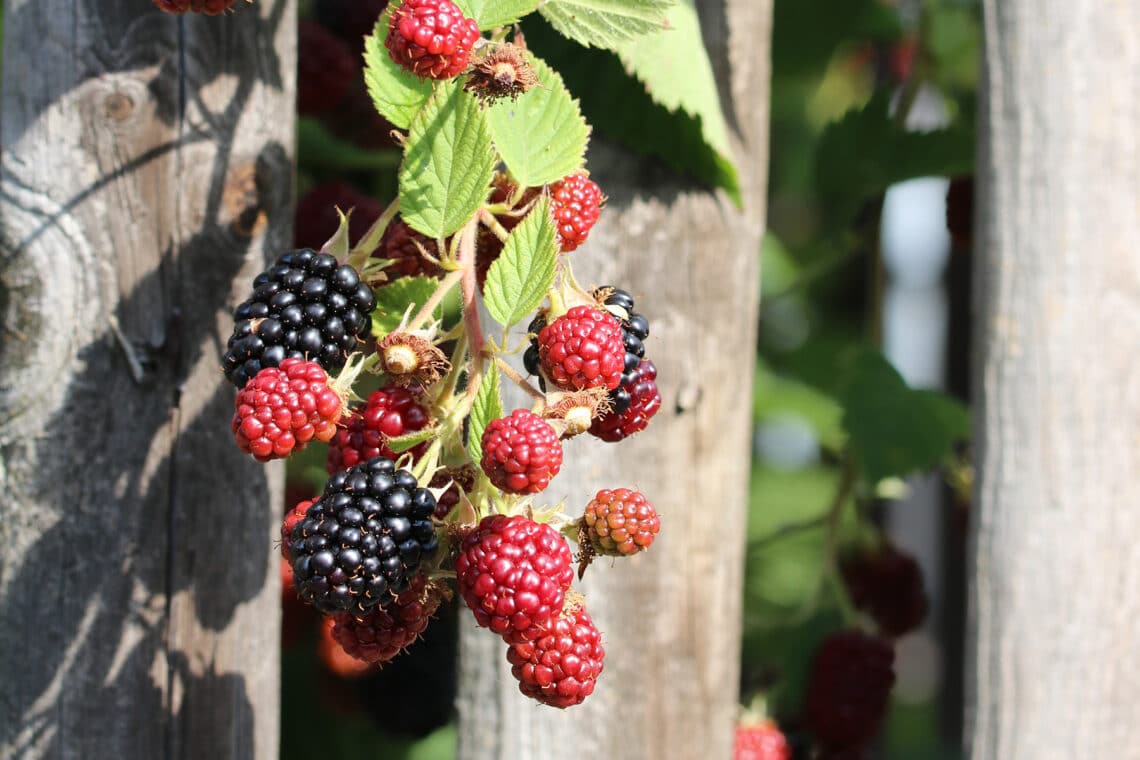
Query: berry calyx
[
  {"x": 887, "y": 584},
  {"x": 618, "y": 523},
  {"x": 285, "y": 407},
  {"x": 521, "y": 452},
  {"x": 582, "y": 349},
  {"x": 513, "y": 573},
  {"x": 383, "y": 633},
  {"x": 851, "y": 678},
  {"x": 760, "y": 741},
  {"x": 645, "y": 401},
  {"x": 363, "y": 541},
  {"x": 561, "y": 666},
  {"x": 409, "y": 358},
  {"x": 575, "y": 203},
  {"x": 390, "y": 412},
  {"x": 431, "y": 38},
  {"x": 504, "y": 72}
]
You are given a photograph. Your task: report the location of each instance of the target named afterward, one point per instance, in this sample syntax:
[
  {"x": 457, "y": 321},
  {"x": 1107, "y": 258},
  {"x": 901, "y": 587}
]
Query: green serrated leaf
[
  {"x": 492, "y": 13},
  {"x": 402, "y": 443},
  {"x": 448, "y": 163},
  {"x": 541, "y": 136},
  {"x": 605, "y": 23},
  {"x": 895, "y": 430},
  {"x": 488, "y": 406},
  {"x": 518, "y": 280},
  {"x": 393, "y": 300},
  {"x": 618, "y": 106},
  {"x": 397, "y": 93},
  {"x": 675, "y": 68},
  {"x": 863, "y": 153}
]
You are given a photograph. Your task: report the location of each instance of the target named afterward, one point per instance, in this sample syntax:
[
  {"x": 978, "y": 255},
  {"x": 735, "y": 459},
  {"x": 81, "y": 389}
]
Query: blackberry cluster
[
  {"x": 634, "y": 331},
  {"x": 361, "y": 544},
  {"x": 306, "y": 305}
]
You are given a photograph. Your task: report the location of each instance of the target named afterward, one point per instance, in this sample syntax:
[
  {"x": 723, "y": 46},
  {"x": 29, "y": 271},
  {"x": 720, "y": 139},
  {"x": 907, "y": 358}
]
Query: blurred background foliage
[{"x": 849, "y": 80}]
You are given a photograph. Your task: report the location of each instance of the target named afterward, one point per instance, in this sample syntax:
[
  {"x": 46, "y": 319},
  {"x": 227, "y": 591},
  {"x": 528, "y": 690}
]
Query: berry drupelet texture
[
  {"x": 582, "y": 349},
  {"x": 307, "y": 305},
  {"x": 294, "y": 516},
  {"x": 575, "y": 203},
  {"x": 645, "y": 401},
  {"x": 431, "y": 38},
  {"x": 383, "y": 633},
  {"x": 284, "y": 408},
  {"x": 561, "y": 665},
  {"x": 404, "y": 247},
  {"x": 760, "y": 741},
  {"x": 513, "y": 573},
  {"x": 634, "y": 332},
  {"x": 390, "y": 412},
  {"x": 620, "y": 522},
  {"x": 362, "y": 542},
  {"x": 521, "y": 453}
]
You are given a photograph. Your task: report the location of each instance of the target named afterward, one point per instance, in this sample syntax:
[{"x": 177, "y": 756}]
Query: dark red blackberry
[
  {"x": 887, "y": 584},
  {"x": 361, "y": 544},
  {"x": 645, "y": 401},
  {"x": 634, "y": 331},
  {"x": 350, "y": 20},
  {"x": 316, "y": 220},
  {"x": 326, "y": 69},
  {"x": 306, "y": 306},
  {"x": 851, "y": 679}
]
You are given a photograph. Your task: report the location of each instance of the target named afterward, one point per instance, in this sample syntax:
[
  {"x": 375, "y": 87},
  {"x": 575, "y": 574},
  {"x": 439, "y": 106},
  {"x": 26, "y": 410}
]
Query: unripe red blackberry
[
  {"x": 326, "y": 69},
  {"x": 405, "y": 248},
  {"x": 851, "y": 679},
  {"x": 521, "y": 452},
  {"x": 295, "y": 515},
  {"x": 363, "y": 541},
  {"x": 887, "y": 584},
  {"x": 760, "y": 741},
  {"x": 207, "y": 7},
  {"x": 619, "y": 522},
  {"x": 575, "y": 203},
  {"x": 513, "y": 573},
  {"x": 283, "y": 408},
  {"x": 316, "y": 220},
  {"x": 561, "y": 665},
  {"x": 582, "y": 349},
  {"x": 645, "y": 401},
  {"x": 307, "y": 305},
  {"x": 383, "y": 633},
  {"x": 390, "y": 412},
  {"x": 337, "y": 661},
  {"x": 431, "y": 38}
]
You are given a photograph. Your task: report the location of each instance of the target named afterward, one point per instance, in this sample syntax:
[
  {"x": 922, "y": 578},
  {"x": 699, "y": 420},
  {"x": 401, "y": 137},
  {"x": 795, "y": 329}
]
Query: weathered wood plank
[
  {"x": 1054, "y": 648},
  {"x": 670, "y": 619},
  {"x": 146, "y": 169}
]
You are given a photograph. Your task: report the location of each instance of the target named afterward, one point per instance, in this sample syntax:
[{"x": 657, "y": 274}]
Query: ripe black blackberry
[
  {"x": 362, "y": 542},
  {"x": 306, "y": 306},
  {"x": 634, "y": 331},
  {"x": 530, "y": 356}
]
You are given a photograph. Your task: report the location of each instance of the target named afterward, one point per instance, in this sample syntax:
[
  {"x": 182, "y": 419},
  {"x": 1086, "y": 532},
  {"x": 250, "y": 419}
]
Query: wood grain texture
[
  {"x": 146, "y": 176},
  {"x": 670, "y": 618},
  {"x": 1053, "y": 644}
]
